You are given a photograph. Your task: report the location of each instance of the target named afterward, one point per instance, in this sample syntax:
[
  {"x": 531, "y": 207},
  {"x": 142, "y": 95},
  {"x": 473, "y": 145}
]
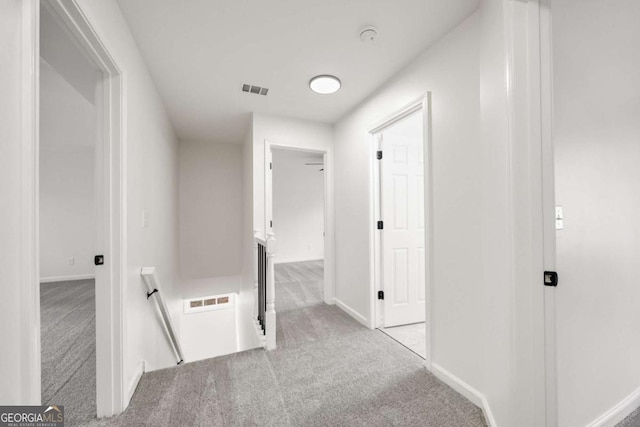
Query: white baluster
[{"x": 271, "y": 293}]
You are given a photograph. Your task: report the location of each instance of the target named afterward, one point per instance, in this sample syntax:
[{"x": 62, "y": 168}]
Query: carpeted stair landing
[{"x": 328, "y": 370}]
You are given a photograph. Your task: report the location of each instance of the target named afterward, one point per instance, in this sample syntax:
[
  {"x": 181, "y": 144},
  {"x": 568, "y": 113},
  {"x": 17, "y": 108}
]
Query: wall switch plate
[
  {"x": 145, "y": 219},
  {"x": 559, "y": 217}
]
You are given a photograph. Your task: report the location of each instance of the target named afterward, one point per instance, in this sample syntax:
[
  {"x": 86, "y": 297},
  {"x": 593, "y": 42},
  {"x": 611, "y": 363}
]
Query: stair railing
[
  {"x": 153, "y": 291},
  {"x": 264, "y": 290}
]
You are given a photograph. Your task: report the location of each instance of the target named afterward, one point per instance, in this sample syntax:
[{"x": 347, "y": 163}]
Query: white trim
[
  {"x": 135, "y": 380},
  {"x": 531, "y": 216},
  {"x": 67, "y": 278},
  {"x": 351, "y": 312},
  {"x": 329, "y": 250},
  {"x": 619, "y": 412},
  {"x": 423, "y": 104},
  {"x": 29, "y": 323},
  {"x": 111, "y": 389},
  {"x": 290, "y": 260},
  {"x": 473, "y": 395}
]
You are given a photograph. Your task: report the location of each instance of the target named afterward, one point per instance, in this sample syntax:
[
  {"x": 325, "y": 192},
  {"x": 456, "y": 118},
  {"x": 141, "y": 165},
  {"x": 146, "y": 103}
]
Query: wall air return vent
[
  {"x": 257, "y": 90},
  {"x": 208, "y": 303}
]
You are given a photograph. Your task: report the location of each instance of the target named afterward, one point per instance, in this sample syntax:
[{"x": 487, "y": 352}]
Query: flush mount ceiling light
[{"x": 325, "y": 85}]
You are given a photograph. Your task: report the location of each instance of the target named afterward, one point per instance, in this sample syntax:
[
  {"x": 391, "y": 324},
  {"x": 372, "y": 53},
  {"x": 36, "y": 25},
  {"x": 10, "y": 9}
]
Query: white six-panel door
[{"x": 403, "y": 235}]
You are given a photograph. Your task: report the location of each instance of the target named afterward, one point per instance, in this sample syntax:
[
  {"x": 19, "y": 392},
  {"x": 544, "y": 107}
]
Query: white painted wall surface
[
  {"x": 247, "y": 337},
  {"x": 496, "y": 254},
  {"x": 210, "y": 194},
  {"x": 597, "y": 152},
  {"x": 210, "y": 333},
  {"x": 301, "y": 134},
  {"x": 14, "y": 361},
  {"x": 449, "y": 68},
  {"x": 289, "y": 132},
  {"x": 298, "y": 206},
  {"x": 152, "y": 186},
  {"x": 67, "y": 179}
]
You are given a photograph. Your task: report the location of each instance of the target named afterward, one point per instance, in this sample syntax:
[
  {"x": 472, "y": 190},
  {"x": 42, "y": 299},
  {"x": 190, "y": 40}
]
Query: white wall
[
  {"x": 474, "y": 283},
  {"x": 449, "y": 69},
  {"x": 290, "y": 133},
  {"x": 247, "y": 337},
  {"x": 301, "y": 134},
  {"x": 210, "y": 195},
  {"x": 298, "y": 205},
  {"x": 597, "y": 152},
  {"x": 67, "y": 179},
  {"x": 210, "y": 206},
  {"x": 152, "y": 183}
]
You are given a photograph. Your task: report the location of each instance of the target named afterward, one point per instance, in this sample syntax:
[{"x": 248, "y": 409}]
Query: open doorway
[
  {"x": 298, "y": 223},
  {"x": 68, "y": 222},
  {"x": 401, "y": 254},
  {"x": 75, "y": 94}
]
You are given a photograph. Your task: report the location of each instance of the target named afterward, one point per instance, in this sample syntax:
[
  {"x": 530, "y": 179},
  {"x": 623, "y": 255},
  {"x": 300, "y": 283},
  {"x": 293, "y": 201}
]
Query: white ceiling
[{"x": 200, "y": 52}]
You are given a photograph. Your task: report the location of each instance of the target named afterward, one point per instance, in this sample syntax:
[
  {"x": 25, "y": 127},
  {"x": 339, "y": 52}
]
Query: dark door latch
[
  {"x": 98, "y": 259},
  {"x": 550, "y": 278}
]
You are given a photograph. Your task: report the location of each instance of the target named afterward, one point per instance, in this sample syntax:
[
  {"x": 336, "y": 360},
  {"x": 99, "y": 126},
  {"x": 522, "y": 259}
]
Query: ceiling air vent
[{"x": 255, "y": 89}]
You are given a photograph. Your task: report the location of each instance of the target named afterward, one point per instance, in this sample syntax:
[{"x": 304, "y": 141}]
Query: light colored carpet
[
  {"x": 68, "y": 338},
  {"x": 328, "y": 370},
  {"x": 633, "y": 420}
]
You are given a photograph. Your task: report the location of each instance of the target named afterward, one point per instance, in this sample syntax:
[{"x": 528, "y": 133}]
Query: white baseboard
[
  {"x": 133, "y": 384},
  {"x": 67, "y": 278},
  {"x": 619, "y": 412},
  {"x": 277, "y": 260},
  {"x": 466, "y": 390},
  {"x": 351, "y": 312}
]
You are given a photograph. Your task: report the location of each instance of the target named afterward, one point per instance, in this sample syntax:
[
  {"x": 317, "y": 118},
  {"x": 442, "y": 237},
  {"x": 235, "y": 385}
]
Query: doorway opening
[
  {"x": 298, "y": 223},
  {"x": 400, "y": 294},
  {"x": 68, "y": 157},
  {"x": 77, "y": 166}
]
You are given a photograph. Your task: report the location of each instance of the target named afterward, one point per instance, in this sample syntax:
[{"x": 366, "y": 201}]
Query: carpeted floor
[
  {"x": 68, "y": 338},
  {"x": 633, "y": 420},
  {"x": 327, "y": 370}
]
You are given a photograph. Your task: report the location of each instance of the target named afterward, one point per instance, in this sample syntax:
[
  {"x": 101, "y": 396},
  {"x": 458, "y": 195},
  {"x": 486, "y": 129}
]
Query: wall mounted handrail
[{"x": 153, "y": 290}]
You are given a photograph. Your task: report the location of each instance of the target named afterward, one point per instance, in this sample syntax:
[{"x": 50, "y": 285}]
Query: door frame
[
  {"x": 528, "y": 34},
  {"x": 423, "y": 104},
  {"x": 328, "y": 209},
  {"x": 110, "y": 393}
]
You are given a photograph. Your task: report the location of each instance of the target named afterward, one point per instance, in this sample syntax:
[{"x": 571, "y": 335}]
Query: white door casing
[{"x": 403, "y": 234}]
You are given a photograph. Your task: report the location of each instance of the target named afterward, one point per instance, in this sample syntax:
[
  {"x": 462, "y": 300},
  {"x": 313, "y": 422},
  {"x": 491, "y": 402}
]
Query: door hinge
[
  {"x": 270, "y": 166},
  {"x": 271, "y": 224},
  {"x": 550, "y": 278},
  {"x": 380, "y": 294},
  {"x": 380, "y": 225},
  {"x": 379, "y": 155}
]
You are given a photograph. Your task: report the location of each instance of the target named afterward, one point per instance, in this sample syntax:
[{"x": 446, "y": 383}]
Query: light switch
[
  {"x": 559, "y": 218},
  {"x": 145, "y": 219}
]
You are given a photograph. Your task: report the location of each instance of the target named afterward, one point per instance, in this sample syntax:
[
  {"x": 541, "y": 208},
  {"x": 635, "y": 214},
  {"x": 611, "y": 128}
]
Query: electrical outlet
[{"x": 72, "y": 261}]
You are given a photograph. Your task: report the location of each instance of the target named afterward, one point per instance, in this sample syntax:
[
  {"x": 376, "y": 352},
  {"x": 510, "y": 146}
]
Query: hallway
[{"x": 327, "y": 370}]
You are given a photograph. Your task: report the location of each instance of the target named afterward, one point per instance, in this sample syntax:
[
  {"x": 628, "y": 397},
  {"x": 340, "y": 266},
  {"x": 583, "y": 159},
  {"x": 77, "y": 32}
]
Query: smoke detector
[{"x": 368, "y": 34}]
